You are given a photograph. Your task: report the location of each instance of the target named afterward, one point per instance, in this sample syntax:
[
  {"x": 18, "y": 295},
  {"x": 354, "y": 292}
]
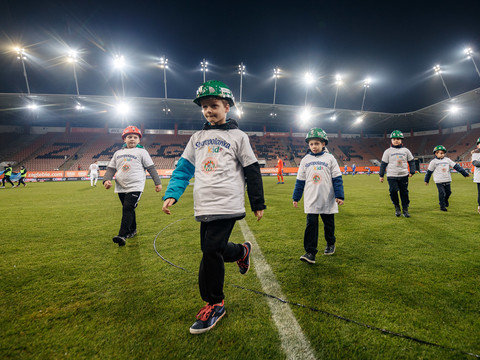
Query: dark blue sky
[{"x": 396, "y": 44}]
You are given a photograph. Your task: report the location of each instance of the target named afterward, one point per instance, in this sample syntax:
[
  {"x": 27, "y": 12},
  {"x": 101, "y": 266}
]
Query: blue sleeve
[
  {"x": 383, "y": 167},
  {"x": 338, "y": 187},
  {"x": 428, "y": 175},
  {"x": 298, "y": 191},
  {"x": 461, "y": 170},
  {"x": 180, "y": 179}
]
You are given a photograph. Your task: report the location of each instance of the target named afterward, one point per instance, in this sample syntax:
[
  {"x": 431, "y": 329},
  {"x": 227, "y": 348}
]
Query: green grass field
[{"x": 68, "y": 292}]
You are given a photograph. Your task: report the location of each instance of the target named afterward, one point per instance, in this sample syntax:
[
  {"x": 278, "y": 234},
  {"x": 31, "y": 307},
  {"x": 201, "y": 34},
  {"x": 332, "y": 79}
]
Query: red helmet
[{"x": 131, "y": 130}]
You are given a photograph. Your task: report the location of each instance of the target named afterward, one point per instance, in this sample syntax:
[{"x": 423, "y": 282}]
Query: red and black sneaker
[
  {"x": 244, "y": 263},
  {"x": 207, "y": 318}
]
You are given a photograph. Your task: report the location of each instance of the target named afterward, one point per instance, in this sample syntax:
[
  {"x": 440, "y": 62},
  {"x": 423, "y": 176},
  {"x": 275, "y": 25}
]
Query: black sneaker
[
  {"x": 207, "y": 318},
  {"x": 244, "y": 263},
  {"x": 308, "y": 257},
  {"x": 406, "y": 213},
  {"x": 329, "y": 250},
  {"x": 443, "y": 209},
  {"x": 132, "y": 234},
  {"x": 120, "y": 240},
  {"x": 398, "y": 211}
]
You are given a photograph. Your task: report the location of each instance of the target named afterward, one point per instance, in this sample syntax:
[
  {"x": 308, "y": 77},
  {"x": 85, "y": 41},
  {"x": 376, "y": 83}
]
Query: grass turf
[{"x": 67, "y": 291}]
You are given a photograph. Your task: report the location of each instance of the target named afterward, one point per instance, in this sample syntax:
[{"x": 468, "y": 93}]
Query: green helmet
[
  {"x": 214, "y": 88},
  {"x": 396, "y": 134},
  {"x": 478, "y": 141},
  {"x": 438, "y": 148},
  {"x": 316, "y": 133}
]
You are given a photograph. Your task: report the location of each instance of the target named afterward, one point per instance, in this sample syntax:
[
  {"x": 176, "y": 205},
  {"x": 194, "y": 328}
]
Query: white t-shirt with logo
[
  {"x": 397, "y": 160},
  {"x": 441, "y": 169},
  {"x": 219, "y": 157},
  {"x": 93, "y": 169},
  {"x": 476, "y": 172},
  {"x": 317, "y": 172},
  {"x": 130, "y": 165}
]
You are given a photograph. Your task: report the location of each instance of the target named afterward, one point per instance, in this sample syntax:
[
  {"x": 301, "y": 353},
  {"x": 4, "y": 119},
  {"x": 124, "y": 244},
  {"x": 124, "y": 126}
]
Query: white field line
[{"x": 294, "y": 343}]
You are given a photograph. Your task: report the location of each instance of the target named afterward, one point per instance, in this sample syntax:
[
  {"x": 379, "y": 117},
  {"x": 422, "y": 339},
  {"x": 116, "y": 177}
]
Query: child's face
[
  {"x": 396, "y": 142},
  {"x": 215, "y": 110},
  {"x": 440, "y": 154},
  {"x": 316, "y": 145},
  {"x": 132, "y": 140}
]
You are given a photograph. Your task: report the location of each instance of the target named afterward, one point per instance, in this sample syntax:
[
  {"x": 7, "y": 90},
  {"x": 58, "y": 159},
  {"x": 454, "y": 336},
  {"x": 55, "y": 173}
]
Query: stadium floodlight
[
  {"x": 305, "y": 115},
  {"x": 438, "y": 71},
  {"x": 359, "y": 119},
  {"x": 276, "y": 75},
  {"x": 164, "y": 65},
  {"x": 119, "y": 63},
  {"x": 338, "y": 82},
  {"x": 123, "y": 108},
  {"x": 239, "y": 111},
  {"x": 73, "y": 58},
  {"x": 32, "y": 106},
  {"x": 469, "y": 52},
  {"x": 204, "y": 68},
  {"x": 333, "y": 117},
  {"x": 454, "y": 109},
  {"x": 21, "y": 55},
  {"x": 241, "y": 72},
  {"x": 366, "y": 85},
  {"x": 309, "y": 79}
]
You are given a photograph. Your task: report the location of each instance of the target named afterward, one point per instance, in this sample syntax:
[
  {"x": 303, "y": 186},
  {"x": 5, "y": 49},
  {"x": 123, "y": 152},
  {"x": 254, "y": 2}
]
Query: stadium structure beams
[{"x": 164, "y": 113}]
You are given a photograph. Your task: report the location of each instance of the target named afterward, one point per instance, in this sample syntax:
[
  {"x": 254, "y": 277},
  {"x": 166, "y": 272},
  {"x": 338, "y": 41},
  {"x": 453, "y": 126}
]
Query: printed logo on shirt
[
  {"x": 126, "y": 167},
  {"x": 399, "y": 162},
  {"x": 316, "y": 178},
  {"x": 209, "y": 165},
  {"x": 444, "y": 169},
  {"x": 214, "y": 149}
]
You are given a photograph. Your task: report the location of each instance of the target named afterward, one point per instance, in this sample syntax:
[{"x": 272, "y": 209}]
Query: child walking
[
  {"x": 395, "y": 161},
  {"x": 279, "y": 170},
  {"x": 440, "y": 168},
  {"x": 320, "y": 176},
  {"x": 222, "y": 160},
  {"x": 129, "y": 163},
  {"x": 476, "y": 173}
]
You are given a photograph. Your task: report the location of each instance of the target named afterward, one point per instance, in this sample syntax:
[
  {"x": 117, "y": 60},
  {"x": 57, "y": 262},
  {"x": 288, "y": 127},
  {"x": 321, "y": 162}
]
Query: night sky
[{"x": 396, "y": 44}]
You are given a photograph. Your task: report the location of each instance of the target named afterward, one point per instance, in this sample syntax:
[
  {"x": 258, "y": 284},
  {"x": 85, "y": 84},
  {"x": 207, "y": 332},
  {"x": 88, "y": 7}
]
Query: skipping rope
[{"x": 313, "y": 309}]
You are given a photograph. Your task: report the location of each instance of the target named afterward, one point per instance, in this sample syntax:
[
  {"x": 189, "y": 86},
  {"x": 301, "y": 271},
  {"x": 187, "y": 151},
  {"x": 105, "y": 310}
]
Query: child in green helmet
[
  {"x": 320, "y": 176},
  {"x": 396, "y": 161},
  {"x": 476, "y": 173},
  {"x": 440, "y": 168},
  {"x": 222, "y": 160}
]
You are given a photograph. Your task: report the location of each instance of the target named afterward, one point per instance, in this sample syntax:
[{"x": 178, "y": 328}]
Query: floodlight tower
[
  {"x": 22, "y": 57},
  {"x": 204, "y": 68},
  {"x": 164, "y": 65},
  {"x": 241, "y": 72},
  {"x": 119, "y": 63},
  {"x": 438, "y": 72},
  {"x": 338, "y": 82},
  {"x": 276, "y": 75},
  {"x": 366, "y": 85},
  {"x": 309, "y": 79},
  {"x": 72, "y": 58},
  {"x": 469, "y": 52}
]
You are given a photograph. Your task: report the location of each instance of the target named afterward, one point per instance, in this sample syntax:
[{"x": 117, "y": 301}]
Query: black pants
[
  {"x": 444, "y": 192},
  {"x": 21, "y": 181},
  {"x": 7, "y": 178},
  {"x": 217, "y": 250},
  {"x": 310, "y": 239},
  {"x": 478, "y": 192},
  {"x": 129, "y": 203},
  {"x": 397, "y": 184}
]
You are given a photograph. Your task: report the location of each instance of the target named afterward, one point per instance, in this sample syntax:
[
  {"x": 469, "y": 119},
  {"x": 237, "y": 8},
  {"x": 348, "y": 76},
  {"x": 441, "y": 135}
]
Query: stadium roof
[{"x": 56, "y": 110}]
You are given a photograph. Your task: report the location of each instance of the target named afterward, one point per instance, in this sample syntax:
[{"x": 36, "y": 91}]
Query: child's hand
[
  {"x": 339, "y": 201},
  {"x": 166, "y": 204},
  {"x": 381, "y": 180},
  {"x": 158, "y": 187},
  {"x": 258, "y": 214},
  {"x": 295, "y": 204},
  {"x": 107, "y": 184},
  {"x": 426, "y": 183}
]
